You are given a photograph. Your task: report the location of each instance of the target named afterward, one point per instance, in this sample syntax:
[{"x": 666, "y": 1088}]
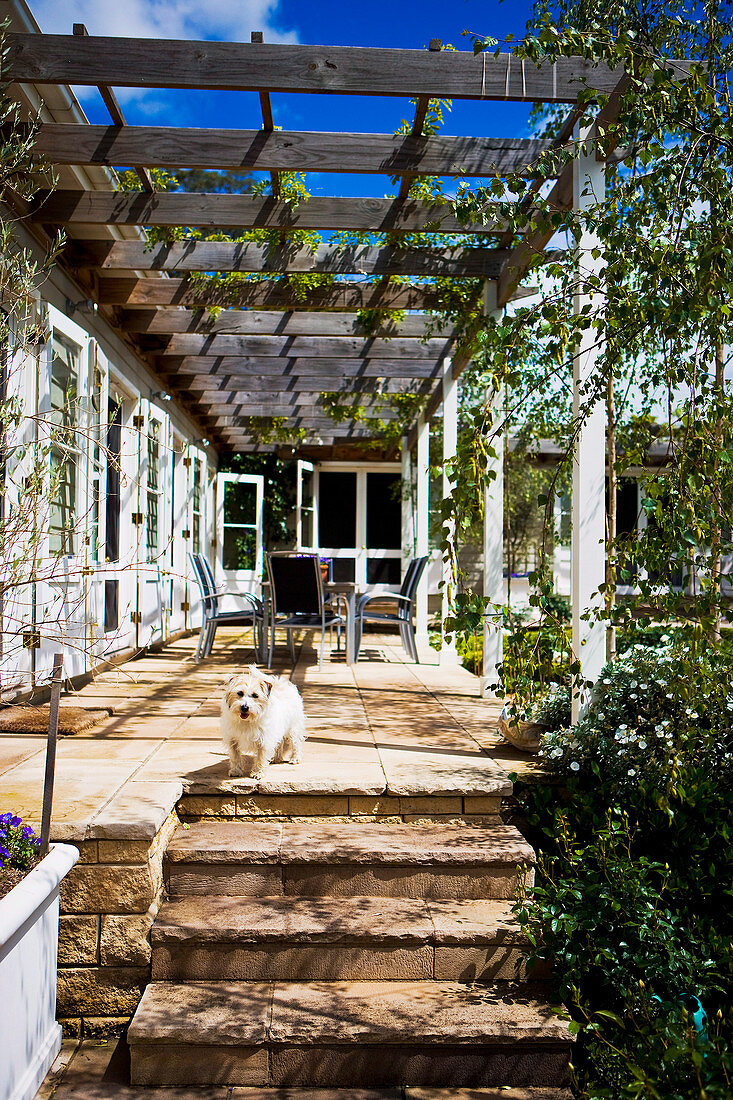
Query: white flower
[
  {"x": 631, "y": 771},
  {"x": 642, "y": 744},
  {"x": 575, "y": 766}
]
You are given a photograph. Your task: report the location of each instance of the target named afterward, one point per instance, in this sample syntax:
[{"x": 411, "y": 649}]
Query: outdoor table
[{"x": 346, "y": 589}]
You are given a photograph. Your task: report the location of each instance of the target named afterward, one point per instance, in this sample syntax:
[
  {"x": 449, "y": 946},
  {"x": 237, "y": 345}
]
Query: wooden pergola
[{"x": 274, "y": 349}]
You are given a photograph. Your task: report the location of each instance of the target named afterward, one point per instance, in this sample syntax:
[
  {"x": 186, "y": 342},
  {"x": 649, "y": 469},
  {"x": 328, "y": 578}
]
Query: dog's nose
[{"x": 244, "y": 709}]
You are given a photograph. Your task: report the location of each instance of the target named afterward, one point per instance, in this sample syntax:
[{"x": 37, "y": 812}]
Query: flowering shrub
[
  {"x": 648, "y": 722},
  {"x": 18, "y": 843}
]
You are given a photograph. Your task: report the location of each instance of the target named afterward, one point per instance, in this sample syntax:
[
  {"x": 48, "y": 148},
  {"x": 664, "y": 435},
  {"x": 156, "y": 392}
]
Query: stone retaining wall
[{"x": 108, "y": 903}]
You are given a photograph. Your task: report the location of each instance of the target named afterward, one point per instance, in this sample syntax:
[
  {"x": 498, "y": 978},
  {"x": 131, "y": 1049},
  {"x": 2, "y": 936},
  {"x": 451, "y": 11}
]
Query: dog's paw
[
  {"x": 256, "y": 775},
  {"x": 294, "y": 760},
  {"x": 235, "y": 773}
]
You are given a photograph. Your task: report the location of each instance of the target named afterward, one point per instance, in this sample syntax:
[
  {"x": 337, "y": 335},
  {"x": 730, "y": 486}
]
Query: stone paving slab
[{"x": 383, "y": 727}]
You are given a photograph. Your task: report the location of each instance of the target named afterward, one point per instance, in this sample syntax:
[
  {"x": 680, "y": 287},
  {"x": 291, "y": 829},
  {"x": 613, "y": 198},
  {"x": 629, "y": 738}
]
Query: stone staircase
[{"x": 346, "y": 954}]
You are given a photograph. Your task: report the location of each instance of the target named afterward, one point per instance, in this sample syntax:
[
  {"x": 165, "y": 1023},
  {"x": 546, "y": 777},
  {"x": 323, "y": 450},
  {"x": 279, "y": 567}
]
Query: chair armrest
[
  {"x": 364, "y": 600},
  {"x": 257, "y": 604}
]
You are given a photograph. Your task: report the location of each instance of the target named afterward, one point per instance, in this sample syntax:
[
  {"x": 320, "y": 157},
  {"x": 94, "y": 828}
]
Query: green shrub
[
  {"x": 635, "y": 876},
  {"x": 553, "y": 709}
]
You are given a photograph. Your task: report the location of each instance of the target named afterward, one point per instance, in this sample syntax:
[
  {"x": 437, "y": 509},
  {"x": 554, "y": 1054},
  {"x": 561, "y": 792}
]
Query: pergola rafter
[
  {"x": 255, "y": 258},
  {"x": 287, "y": 151},
  {"x": 224, "y": 212},
  {"x": 275, "y": 323},
  {"x": 344, "y": 70}
]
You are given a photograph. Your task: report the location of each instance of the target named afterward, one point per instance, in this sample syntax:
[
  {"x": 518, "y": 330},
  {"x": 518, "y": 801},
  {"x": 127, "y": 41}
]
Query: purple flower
[
  {"x": 16, "y": 822},
  {"x": 5, "y": 818}
]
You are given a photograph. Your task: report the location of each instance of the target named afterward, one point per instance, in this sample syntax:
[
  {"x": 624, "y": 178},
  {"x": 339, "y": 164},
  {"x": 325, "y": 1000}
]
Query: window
[
  {"x": 152, "y": 527},
  {"x": 64, "y": 452},
  {"x": 197, "y": 504}
]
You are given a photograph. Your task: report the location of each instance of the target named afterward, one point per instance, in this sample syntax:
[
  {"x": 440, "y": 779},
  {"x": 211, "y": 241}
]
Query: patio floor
[{"x": 381, "y": 729}]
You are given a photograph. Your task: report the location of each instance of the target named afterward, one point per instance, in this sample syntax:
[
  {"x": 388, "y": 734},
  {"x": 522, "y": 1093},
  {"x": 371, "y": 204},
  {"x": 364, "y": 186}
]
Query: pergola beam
[
  {"x": 272, "y": 294},
  {"x": 254, "y": 258},
  {"x": 345, "y": 70},
  {"x": 232, "y": 387},
  {"x": 174, "y": 147},
  {"x": 215, "y": 211},
  {"x": 341, "y": 370},
  {"x": 307, "y": 347},
  {"x": 248, "y": 322}
]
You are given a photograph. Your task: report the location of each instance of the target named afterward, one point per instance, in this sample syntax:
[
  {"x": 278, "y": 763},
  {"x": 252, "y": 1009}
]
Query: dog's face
[{"x": 246, "y": 694}]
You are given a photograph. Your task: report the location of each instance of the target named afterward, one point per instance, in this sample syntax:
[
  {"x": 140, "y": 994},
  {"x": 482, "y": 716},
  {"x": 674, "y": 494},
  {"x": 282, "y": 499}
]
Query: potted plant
[
  {"x": 550, "y": 713},
  {"x": 29, "y": 926}
]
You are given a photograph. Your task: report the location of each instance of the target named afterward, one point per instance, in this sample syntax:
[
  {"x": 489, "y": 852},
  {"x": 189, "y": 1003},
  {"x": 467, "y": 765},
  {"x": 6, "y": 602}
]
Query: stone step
[
  {"x": 327, "y": 939},
  {"x": 346, "y": 1034},
  {"x": 346, "y": 859}
]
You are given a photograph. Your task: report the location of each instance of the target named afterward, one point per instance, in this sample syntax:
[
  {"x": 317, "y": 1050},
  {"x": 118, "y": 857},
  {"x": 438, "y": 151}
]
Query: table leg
[{"x": 350, "y": 628}]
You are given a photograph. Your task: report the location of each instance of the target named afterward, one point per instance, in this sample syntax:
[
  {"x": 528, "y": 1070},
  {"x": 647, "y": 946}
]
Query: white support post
[
  {"x": 493, "y": 539},
  {"x": 408, "y": 528},
  {"x": 448, "y": 651},
  {"x": 422, "y": 515},
  {"x": 588, "y": 504}
]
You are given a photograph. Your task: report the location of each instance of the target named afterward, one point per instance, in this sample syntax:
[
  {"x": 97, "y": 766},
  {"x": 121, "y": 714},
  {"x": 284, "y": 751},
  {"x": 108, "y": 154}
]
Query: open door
[
  {"x": 305, "y": 507},
  {"x": 239, "y": 499}
]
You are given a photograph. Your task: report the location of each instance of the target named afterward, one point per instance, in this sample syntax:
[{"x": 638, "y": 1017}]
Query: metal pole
[{"x": 53, "y": 731}]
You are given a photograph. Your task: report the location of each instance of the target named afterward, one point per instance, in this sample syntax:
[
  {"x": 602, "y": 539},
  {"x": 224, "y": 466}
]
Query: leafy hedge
[{"x": 634, "y": 893}]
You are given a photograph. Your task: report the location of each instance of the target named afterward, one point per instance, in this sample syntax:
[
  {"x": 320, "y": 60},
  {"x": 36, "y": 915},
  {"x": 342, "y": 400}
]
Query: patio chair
[
  {"x": 298, "y": 602},
  {"x": 402, "y": 616},
  {"x": 212, "y": 616}
]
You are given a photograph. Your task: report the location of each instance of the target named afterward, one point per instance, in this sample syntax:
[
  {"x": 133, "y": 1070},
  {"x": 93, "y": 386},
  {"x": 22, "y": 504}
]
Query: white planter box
[{"x": 29, "y": 938}]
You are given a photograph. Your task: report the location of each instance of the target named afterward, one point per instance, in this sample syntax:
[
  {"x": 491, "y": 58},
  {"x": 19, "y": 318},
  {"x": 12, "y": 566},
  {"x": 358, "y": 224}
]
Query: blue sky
[{"x": 318, "y": 22}]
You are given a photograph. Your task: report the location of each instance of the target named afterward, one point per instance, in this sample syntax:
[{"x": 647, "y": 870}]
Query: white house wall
[{"x": 156, "y": 598}]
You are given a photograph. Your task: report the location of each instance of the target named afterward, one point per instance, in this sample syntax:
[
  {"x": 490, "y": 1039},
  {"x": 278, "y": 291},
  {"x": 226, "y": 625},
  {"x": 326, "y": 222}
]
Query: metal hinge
[
  {"x": 31, "y": 639},
  {"x": 137, "y": 518},
  {"x": 138, "y": 421},
  {"x": 185, "y": 605},
  {"x": 187, "y": 462},
  {"x": 185, "y": 533},
  {"x": 136, "y": 617}
]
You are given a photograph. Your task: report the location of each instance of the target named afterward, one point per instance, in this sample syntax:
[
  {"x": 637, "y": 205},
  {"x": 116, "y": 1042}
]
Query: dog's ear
[
  {"x": 231, "y": 680},
  {"x": 268, "y": 684},
  {"x": 253, "y": 669}
]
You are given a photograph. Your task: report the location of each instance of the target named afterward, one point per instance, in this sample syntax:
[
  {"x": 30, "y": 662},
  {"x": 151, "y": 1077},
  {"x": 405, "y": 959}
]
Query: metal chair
[
  {"x": 212, "y": 616},
  {"x": 298, "y": 603},
  {"x": 405, "y": 600}
]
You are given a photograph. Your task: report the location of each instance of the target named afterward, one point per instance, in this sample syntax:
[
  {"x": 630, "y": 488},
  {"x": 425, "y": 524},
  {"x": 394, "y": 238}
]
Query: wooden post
[
  {"x": 493, "y": 539},
  {"x": 448, "y": 651},
  {"x": 53, "y": 730},
  {"x": 588, "y": 502},
  {"x": 422, "y": 516}
]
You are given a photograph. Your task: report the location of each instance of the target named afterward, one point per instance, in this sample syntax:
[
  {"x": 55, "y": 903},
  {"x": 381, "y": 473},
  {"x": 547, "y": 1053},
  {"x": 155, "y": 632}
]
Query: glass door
[
  {"x": 359, "y": 525},
  {"x": 305, "y": 507},
  {"x": 239, "y": 500}
]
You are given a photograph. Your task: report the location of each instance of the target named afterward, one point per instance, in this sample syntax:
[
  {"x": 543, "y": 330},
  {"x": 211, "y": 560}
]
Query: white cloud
[
  {"x": 217, "y": 20},
  {"x": 224, "y": 20}
]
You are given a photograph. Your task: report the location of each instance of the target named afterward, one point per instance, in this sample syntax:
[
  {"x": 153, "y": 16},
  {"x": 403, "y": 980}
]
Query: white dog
[{"x": 261, "y": 716}]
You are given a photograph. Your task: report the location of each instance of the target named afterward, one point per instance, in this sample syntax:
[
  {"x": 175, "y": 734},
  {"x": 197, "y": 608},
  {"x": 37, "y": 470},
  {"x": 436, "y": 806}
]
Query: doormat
[{"x": 26, "y": 719}]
